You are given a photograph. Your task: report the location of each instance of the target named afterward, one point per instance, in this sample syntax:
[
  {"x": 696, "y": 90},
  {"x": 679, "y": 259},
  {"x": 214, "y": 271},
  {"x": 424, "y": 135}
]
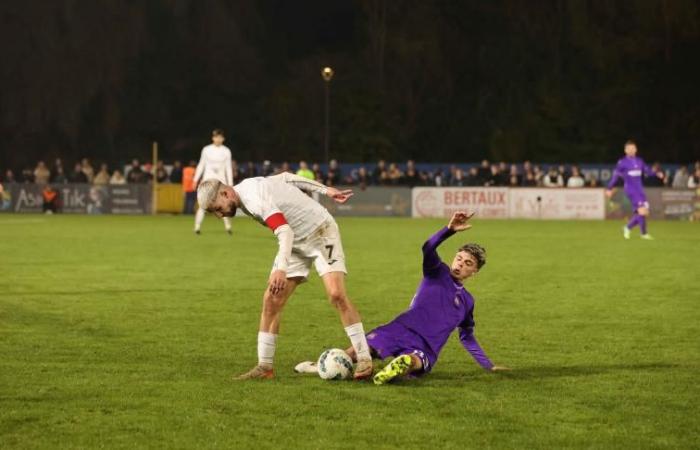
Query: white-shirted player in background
[
  {"x": 215, "y": 163},
  {"x": 307, "y": 234}
]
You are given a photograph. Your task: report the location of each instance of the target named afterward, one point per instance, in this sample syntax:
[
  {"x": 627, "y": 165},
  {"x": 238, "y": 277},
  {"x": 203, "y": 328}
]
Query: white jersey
[
  {"x": 215, "y": 163},
  {"x": 270, "y": 200}
]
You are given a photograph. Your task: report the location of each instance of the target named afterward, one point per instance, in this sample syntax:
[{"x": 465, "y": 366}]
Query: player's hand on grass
[
  {"x": 459, "y": 220},
  {"x": 339, "y": 196},
  {"x": 277, "y": 282},
  {"x": 500, "y": 369},
  {"x": 608, "y": 193}
]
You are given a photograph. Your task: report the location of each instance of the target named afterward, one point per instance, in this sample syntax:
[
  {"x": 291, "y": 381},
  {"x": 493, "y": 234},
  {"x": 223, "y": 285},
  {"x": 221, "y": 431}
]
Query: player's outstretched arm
[
  {"x": 469, "y": 342},
  {"x": 306, "y": 185},
  {"x": 459, "y": 220},
  {"x": 339, "y": 195},
  {"x": 431, "y": 259},
  {"x": 302, "y": 183}
]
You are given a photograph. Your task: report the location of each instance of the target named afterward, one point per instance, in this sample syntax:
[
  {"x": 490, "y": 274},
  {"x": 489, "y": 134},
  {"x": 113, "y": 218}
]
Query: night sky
[{"x": 447, "y": 81}]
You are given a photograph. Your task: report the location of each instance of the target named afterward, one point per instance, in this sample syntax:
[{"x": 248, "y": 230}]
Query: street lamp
[{"x": 327, "y": 74}]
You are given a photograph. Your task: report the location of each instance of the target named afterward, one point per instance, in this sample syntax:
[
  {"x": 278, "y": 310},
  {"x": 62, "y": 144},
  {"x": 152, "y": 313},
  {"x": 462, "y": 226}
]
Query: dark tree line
[{"x": 557, "y": 80}]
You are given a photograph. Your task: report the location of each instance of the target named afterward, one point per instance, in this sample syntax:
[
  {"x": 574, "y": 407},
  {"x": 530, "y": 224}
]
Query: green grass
[{"x": 123, "y": 332}]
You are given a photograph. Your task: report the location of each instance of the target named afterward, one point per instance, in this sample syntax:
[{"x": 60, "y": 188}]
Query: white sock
[
  {"x": 266, "y": 348},
  {"x": 356, "y": 333},
  {"x": 227, "y": 223},
  {"x": 198, "y": 219}
]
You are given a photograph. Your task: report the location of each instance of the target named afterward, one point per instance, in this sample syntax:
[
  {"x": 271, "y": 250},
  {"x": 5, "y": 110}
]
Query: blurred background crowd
[{"x": 383, "y": 173}]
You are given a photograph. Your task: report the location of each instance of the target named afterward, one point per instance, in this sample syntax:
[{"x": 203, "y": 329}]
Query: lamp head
[{"x": 327, "y": 73}]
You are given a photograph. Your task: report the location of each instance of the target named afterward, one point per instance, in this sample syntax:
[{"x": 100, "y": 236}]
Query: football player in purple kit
[
  {"x": 632, "y": 169},
  {"x": 440, "y": 305}
]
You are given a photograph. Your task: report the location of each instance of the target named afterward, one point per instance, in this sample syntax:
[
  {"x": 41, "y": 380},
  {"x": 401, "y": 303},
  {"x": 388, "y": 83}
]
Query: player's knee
[
  {"x": 272, "y": 304},
  {"x": 338, "y": 299}
]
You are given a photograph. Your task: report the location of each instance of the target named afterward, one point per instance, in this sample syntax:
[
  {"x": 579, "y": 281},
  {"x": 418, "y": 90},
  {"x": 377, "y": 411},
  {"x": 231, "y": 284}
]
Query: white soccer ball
[{"x": 334, "y": 364}]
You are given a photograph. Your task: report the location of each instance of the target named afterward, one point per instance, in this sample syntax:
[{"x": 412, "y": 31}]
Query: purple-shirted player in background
[
  {"x": 632, "y": 169},
  {"x": 440, "y": 305}
]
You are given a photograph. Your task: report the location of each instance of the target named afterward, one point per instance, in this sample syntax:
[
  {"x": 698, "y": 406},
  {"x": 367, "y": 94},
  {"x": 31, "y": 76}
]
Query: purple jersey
[
  {"x": 439, "y": 306},
  {"x": 631, "y": 170}
]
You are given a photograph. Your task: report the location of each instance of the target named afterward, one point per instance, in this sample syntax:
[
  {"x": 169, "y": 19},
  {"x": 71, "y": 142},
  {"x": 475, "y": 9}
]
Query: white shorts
[{"x": 322, "y": 248}]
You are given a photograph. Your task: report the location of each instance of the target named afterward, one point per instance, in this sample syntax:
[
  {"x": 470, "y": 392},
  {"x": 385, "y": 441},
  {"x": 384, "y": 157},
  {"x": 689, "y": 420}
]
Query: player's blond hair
[{"x": 207, "y": 192}]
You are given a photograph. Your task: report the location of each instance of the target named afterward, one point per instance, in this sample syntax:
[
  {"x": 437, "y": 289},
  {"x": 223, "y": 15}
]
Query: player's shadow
[{"x": 540, "y": 372}]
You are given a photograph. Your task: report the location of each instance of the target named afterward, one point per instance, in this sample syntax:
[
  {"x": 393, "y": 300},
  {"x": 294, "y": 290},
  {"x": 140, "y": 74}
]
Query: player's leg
[
  {"x": 327, "y": 250},
  {"x": 297, "y": 271},
  {"x": 400, "y": 366},
  {"x": 189, "y": 202},
  {"x": 198, "y": 219},
  {"x": 637, "y": 202},
  {"x": 269, "y": 330},
  {"x": 643, "y": 212},
  {"x": 334, "y": 283},
  {"x": 227, "y": 224},
  {"x": 273, "y": 304},
  {"x": 634, "y": 220}
]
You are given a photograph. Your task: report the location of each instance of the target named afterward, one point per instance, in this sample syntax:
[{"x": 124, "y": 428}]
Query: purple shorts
[
  {"x": 394, "y": 339},
  {"x": 638, "y": 200}
]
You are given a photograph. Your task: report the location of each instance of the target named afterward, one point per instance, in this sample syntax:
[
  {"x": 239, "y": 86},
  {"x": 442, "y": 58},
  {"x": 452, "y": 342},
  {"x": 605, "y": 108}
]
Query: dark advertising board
[
  {"x": 80, "y": 199},
  {"x": 664, "y": 203},
  {"x": 373, "y": 201}
]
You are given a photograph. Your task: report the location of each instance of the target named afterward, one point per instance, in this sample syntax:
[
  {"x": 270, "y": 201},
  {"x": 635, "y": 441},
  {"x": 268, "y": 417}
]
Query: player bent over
[
  {"x": 440, "y": 305},
  {"x": 307, "y": 234}
]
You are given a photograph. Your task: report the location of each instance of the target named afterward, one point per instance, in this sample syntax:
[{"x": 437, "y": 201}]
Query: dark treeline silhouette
[{"x": 558, "y": 80}]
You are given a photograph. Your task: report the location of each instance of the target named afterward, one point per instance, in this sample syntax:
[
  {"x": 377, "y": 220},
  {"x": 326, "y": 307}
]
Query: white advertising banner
[
  {"x": 490, "y": 203},
  {"x": 552, "y": 203}
]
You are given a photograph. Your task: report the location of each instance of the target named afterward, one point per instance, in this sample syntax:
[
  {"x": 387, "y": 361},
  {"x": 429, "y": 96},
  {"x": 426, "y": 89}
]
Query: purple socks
[
  {"x": 638, "y": 220},
  {"x": 642, "y": 224},
  {"x": 634, "y": 221}
]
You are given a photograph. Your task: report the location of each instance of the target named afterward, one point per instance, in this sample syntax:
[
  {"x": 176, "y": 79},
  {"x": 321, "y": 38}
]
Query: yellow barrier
[{"x": 170, "y": 198}]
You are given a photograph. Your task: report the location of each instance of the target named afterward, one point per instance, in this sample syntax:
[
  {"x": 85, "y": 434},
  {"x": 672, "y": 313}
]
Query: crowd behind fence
[{"x": 382, "y": 173}]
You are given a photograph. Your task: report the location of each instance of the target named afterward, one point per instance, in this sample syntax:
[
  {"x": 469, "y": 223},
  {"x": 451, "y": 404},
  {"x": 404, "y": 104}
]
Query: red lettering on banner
[{"x": 474, "y": 198}]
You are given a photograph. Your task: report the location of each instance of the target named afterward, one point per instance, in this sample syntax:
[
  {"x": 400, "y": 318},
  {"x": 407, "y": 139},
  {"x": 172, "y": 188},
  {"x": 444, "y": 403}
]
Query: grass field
[{"x": 123, "y": 332}]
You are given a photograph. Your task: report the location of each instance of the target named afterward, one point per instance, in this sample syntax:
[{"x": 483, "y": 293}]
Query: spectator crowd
[{"x": 379, "y": 174}]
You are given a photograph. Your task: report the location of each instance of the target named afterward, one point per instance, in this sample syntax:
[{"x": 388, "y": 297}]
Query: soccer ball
[{"x": 334, "y": 364}]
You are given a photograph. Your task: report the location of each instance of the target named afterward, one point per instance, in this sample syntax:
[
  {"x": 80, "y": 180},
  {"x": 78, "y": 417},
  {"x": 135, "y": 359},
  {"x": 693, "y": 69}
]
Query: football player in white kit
[
  {"x": 215, "y": 163},
  {"x": 307, "y": 234}
]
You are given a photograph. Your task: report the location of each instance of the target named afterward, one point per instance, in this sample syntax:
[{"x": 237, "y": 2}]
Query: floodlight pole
[{"x": 327, "y": 75}]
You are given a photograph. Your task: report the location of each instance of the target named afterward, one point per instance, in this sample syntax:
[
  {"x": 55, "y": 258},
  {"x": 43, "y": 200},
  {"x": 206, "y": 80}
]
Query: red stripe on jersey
[{"x": 276, "y": 220}]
